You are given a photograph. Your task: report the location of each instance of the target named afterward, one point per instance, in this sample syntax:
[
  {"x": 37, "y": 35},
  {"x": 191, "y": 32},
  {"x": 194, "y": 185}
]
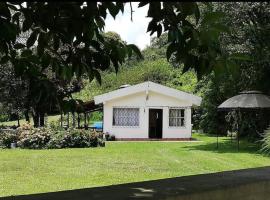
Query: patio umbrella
[{"x": 246, "y": 100}]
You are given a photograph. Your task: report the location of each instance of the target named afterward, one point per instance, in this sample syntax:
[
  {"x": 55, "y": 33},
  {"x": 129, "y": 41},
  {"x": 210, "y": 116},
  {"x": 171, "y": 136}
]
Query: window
[
  {"x": 176, "y": 117},
  {"x": 125, "y": 116}
]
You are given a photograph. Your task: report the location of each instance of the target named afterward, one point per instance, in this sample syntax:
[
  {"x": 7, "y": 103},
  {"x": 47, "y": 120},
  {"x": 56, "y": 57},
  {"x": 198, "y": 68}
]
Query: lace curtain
[
  {"x": 126, "y": 116},
  {"x": 177, "y": 117}
]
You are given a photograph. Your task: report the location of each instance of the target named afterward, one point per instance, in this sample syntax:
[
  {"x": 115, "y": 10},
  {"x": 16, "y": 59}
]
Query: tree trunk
[
  {"x": 73, "y": 120},
  {"x": 26, "y": 115},
  {"x": 61, "y": 122},
  {"x": 36, "y": 120},
  {"x": 78, "y": 120},
  {"x": 18, "y": 119},
  {"x": 68, "y": 120},
  {"x": 85, "y": 117},
  {"x": 41, "y": 119}
]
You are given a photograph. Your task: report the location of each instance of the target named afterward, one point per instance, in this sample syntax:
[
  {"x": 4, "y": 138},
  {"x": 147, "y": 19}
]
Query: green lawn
[
  {"x": 23, "y": 121},
  {"x": 50, "y": 119},
  {"x": 35, "y": 171}
]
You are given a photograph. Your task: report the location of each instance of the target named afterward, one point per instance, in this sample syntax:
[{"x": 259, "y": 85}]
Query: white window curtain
[
  {"x": 177, "y": 117},
  {"x": 125, "y": 116}
]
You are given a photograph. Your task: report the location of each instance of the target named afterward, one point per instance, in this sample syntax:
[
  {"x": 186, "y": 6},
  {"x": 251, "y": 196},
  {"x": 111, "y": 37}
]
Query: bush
[
  {"x": 109, "y": 137},
  {"x": 69, "y": 138},
  {"x": 28, "y": 137},
  {"x": 6, "y": 138},
  {"x": 266, "y": 141},
  {"x": 55, "y": 125},
  {"x": 34, "y": 138},
  {"x": 76, "y": 138}
]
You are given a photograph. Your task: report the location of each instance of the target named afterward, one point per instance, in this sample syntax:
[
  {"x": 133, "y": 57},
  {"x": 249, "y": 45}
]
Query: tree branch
[{"x": 131, "y": 11}]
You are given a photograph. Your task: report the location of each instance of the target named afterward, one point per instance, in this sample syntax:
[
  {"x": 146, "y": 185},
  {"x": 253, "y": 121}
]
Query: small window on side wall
[
  {"x": 176, "y": 117},
  {"x": 125, "y": 116}
]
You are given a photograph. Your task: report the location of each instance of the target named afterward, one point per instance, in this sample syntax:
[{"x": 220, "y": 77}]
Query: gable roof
[{"x": 150, "y": 86}]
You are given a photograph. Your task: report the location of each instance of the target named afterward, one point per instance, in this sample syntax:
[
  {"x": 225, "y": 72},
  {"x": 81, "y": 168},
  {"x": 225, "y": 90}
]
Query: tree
[
  {"x": 13, "y": 91},
  {"x": 84, "y": 39},
  {"x": 249, "y": 24},
  {"x": 193, "y": 39}
]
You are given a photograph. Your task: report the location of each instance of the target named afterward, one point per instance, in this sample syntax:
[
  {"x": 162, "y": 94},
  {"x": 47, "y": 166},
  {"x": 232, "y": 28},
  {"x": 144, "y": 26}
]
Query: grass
[
  {"x": 52, "y": 118},
  {"x": 36, "y": 171},
  {"x": 23, "y": 121}
]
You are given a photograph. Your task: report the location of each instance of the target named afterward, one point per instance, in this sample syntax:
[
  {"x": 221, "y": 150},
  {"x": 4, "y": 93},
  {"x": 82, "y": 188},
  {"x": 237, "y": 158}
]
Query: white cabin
[{"x": 147, "y": 111}]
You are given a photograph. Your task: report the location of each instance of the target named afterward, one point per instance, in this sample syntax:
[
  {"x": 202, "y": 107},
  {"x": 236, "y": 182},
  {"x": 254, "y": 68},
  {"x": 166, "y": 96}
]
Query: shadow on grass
[
  {"x": 203, "y": 186},
  {"x": 226, "y": 145}
]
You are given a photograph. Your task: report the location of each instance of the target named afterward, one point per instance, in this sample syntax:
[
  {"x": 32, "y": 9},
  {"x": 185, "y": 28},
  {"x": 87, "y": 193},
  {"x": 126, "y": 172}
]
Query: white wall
[{"x": 155, "y": 100}]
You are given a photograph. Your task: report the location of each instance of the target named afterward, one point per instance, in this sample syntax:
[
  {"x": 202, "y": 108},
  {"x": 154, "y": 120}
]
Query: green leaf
[
  {"x": 4, "y": 11},
  {"x": 159, "y": 30},
  {"x": 33, "y": 59},
  {"x": 136, "y": 50},
  {"x": 113, "y": 9},
  {"x": 152, "y": 26},
  {"x": 102, "y": 11},
  {"x": 27, "y": 24},
  {"x": 100, "y": 22},
  {"x": 211, "y": 17},
  {"x": 19, "y": 68},
  {"x": 97, "y": 75},
  {"x": 4, "y": 59},
  {"x": 221, "y": 27},
  {"x": 197, "y": 13},
  {"x": 45, "y": 59},
  {"x": 141, "y": 4},
  {"x": 10, "y": 6},
  {"x": 16, "y": 17},
  {"x": 190, "y": 62},
  {"x": 240, "y": 56},
  {"x": 19, "y": 46},
  {"x": 120, "y": 6},
  {"x": 187, "y": 8},
  {"x": 56, "y": 42},
  {"x": 219, "y": 66},
  {"x": 154, "y": 9},
  {"x": 67, "y": 71},
  {"x": 32, "y": 39},
  {"x": 170, "y": 50},
  {"x": 26, "y": 53},
  {"x": 232, "y": 67},
  {"x": 115, "y": 63}
]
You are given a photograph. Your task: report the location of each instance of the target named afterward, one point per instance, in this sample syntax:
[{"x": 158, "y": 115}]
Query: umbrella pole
[
  {"x": 238, "y": 141},
  {"x": 238, "y": 127},
  {"x": 217, "y": 139}
]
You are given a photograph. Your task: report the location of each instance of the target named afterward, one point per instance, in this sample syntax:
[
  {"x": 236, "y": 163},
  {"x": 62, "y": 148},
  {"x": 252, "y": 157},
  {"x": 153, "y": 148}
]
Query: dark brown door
[{"x": 155, "y": 123}]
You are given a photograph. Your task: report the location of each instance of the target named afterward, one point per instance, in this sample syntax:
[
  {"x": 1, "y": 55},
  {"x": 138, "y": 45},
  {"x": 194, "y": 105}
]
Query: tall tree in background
[{"x": 250, "y": 30}]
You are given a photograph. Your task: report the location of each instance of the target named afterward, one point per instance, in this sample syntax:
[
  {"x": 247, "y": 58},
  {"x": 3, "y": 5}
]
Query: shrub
[
  {"x": 6, "y": 138},
  {"x": 232, "y": 134},
  {"x": 55, "y": 125},
  {"x": 39, "y": 138},
  {"x": 266, "y": 141},
  {"x": 76, "y": 138},
  {"x": 34, "y": 138},
  {"x": 109, "y": 137}
]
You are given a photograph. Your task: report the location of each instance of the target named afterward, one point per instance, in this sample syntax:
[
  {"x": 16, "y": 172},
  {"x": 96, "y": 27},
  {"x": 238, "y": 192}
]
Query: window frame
[
  {"x": 127, "y": 107},
  {"x": 177, "y": 108}
]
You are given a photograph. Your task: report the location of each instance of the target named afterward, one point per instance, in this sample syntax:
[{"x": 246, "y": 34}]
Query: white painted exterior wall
[{"x": 138, "y": 99}]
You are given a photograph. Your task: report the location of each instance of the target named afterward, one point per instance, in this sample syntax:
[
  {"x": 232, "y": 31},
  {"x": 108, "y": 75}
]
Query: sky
[{"x": 131, "y": 31}]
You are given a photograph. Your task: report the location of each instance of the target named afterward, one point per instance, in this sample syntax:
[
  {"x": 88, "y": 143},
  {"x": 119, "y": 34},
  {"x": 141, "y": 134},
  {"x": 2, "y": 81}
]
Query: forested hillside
[{"x": 154, "y": 67}]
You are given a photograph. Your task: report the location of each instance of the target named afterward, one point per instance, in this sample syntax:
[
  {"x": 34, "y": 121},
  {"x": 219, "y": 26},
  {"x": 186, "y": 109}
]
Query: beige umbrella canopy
[{"x": 246, "y": 100}]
